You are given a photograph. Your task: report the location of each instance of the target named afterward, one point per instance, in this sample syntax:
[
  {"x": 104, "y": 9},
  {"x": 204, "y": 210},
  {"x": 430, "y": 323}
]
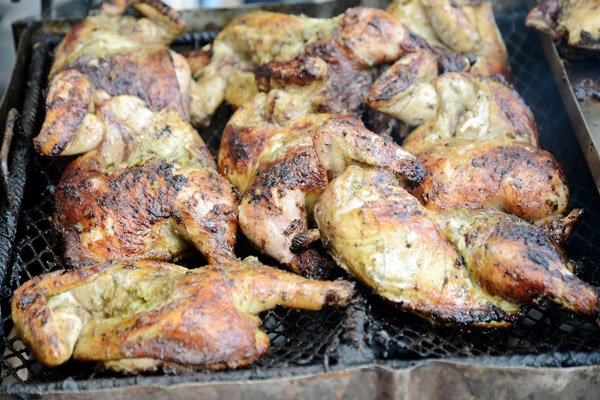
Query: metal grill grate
[{"x": 369, "y": 329}]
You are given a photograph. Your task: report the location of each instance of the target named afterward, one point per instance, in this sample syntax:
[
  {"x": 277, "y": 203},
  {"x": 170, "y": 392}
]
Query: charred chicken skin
[
  {"x": 330, "y": 63},
  {"x": 578, "y": 21},
  {"x": 147, "y": 189},
  {"x": 460, "y": 267},
  {"x": 282, "y": 171},
  {"x": 477, "y": 140},
  {"x": 118, "y": 55},
  {"x": 465, "y": 26},
  {"x": 145, "y": 315},
  {"x": 282, "y": 145}
]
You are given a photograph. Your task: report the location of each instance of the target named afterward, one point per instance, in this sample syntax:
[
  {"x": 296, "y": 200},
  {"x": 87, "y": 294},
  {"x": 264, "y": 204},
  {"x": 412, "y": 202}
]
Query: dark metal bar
[{"x": 48, "y": 10}]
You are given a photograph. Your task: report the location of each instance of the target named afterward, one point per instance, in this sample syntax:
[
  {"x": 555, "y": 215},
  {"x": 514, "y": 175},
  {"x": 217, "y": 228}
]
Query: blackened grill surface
[{"x": 370, "y": 330}]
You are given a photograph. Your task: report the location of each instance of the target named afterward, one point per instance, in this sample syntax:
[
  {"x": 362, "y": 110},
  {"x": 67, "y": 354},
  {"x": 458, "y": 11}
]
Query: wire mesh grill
[{"x": 370, "y": 329}]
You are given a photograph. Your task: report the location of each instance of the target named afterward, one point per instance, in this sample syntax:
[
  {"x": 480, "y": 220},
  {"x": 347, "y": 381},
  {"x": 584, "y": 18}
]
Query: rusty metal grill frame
[{"x": 369, "y": 331}]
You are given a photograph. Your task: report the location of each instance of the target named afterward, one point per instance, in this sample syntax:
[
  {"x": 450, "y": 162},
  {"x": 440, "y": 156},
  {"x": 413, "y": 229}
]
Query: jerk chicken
[
  {"x": 464, "y": 267},
  {"x": 577, "y": 21},
  {"x": 282, "y": 171},
  {"x": 282, "y": 145},
  {"x": 146, "y": 315},
  {"x": 119, "y": 55},
  {"x": 476, "y": 138},
  {"x": 145, "y": 189},
  {"x": 465, "y": 26},
  {"x": 327, "y": 65}
]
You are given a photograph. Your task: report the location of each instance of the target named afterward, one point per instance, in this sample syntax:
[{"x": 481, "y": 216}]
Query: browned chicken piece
[
  {"x": 119, "y": 55},
  {"x": 329, "y": 62},
  {"x": 465, "y": 26},
  {"x": 324, "y": 79},
  {"x": 111, "y": 33},
  {"x": 477, "y": 139},
  {"x": 146, "y": 188},
  {"x": 578, "y": 21},
  {"x": 459, "y": 267},
  {"x": 282, "y": 171},
  {"x": 146, "y": 315}
]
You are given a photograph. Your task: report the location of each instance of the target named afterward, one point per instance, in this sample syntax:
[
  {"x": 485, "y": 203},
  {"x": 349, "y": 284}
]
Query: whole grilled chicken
[
  {"x": 465, "y": 26},
  {"x": 119, "y": 55},
  {"x": 578, "y": 21},
  {"x": 328, "y": 62},
  {"x": 282, "y": 171},
  {"x": 463, "y": 267},
  {"x": 147, "y": 315},
  {"x": 477, "y": 140},
  {"x": 147, "y": 190}
]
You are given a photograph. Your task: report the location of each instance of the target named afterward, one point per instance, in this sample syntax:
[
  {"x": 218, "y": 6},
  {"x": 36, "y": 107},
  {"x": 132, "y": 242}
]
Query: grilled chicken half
[
  {"x": 338, "y": 54},
  {"x": 578, "y": 21},
  {"x": 282, "y": 171},
  {"x": 459, "y": 267},
  {"x": 119, "y": 55},
  {"x": 147, "y": 189},
  {"x": 145, "y": 315},
  {"x": 465, "y": 26},
  {"x": 477, "y": 139}
]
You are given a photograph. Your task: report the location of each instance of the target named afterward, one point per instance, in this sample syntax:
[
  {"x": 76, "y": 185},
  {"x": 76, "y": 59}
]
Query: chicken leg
[
  {"x": 478, "y": 141},
  {"x": 271, "y": 45},
  {"x": 144, "y": 315},
  {"x": 465, "y": 267}
]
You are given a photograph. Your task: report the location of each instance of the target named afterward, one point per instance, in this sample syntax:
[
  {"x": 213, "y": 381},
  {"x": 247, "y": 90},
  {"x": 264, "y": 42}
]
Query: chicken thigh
[
  {"x": 463, "y": 267},
  {"x": 146, "y": 315}
]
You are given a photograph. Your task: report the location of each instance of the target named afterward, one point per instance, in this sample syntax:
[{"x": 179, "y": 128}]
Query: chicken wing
[
  {"x": 282, "y": 171},
  {"x": 465, "y": 26},
  {"x": 146, "y": 190},
  {"x": 147, "y": 315},
  {"x": 478, "y": 141},
  {"x": 578, "y": 21},
  {"x": 465, "y": 267}
]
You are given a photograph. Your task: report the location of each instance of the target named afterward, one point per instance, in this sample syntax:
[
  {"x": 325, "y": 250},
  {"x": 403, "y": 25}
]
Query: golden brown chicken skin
[
  {"x": 578, "y": 21},
  {"x": 110, "y": 55},
  {"x": 459, "y": 267},
  {"x": 325, "y": 78},
  {"x": 282, "y": 171},
  {"x": 148, "y": 190},
  {"x": 146, "y": 315},
  {"x": 517, "y": 178},
  {"x": 477, "y": 140},
  {"x": 338, "y": 54},
  {"x": 465, "y": 26},
  {"x": 110, "y": 33}
]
